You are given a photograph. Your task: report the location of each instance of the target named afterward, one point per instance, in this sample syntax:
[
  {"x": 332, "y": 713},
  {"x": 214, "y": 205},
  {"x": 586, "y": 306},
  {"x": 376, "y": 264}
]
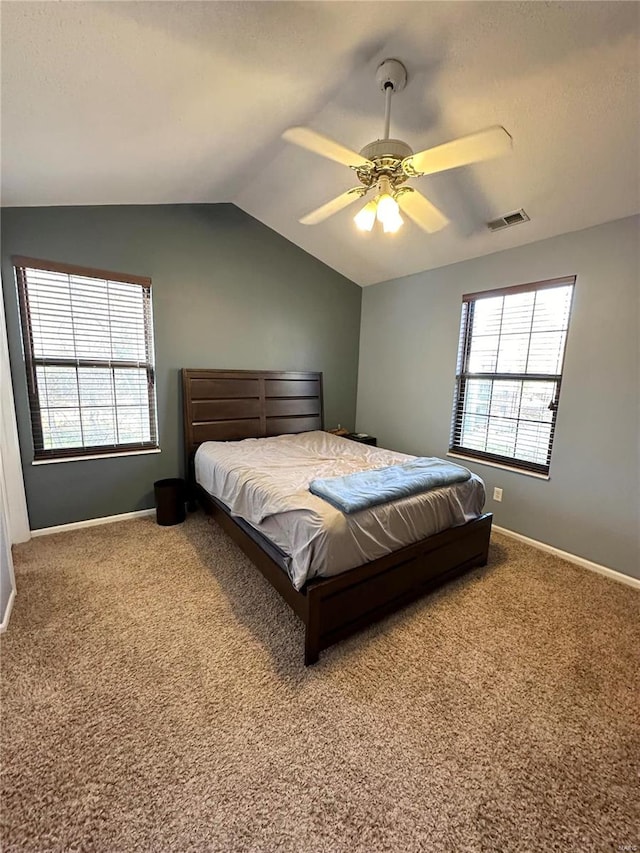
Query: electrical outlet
[{"x": 497, "y": 494}]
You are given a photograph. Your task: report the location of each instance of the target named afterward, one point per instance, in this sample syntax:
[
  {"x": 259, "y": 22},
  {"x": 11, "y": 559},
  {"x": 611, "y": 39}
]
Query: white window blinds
[
  {"x": 509, "y": 372},
  {"x": 88, "y": 343}
]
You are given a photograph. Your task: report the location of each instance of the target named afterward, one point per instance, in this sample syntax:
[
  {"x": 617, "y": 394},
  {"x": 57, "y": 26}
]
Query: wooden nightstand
[{"x": 363, "y": 438}]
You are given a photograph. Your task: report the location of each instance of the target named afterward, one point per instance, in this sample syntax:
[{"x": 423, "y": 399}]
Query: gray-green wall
[
  {"x": 408, "y": 343},
  {"x": 227, "y": 292}
]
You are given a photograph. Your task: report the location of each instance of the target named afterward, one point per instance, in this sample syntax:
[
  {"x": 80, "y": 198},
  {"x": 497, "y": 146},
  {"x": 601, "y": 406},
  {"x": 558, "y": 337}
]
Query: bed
[{"x": 333, "y": 597}]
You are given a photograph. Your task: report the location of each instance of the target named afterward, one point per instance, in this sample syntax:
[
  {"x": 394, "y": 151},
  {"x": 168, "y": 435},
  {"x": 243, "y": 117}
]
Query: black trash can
[{"x": 170, "y": 499}]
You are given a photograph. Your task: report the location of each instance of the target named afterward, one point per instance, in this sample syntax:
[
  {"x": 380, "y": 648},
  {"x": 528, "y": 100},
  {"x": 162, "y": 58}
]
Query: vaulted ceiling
[{"x": 172, "y": 102}]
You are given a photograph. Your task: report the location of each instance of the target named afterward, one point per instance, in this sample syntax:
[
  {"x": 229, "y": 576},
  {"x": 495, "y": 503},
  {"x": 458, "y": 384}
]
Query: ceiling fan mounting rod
[
  {"x": 388, "y": 92},
  {"x": 391, "y": 76}
]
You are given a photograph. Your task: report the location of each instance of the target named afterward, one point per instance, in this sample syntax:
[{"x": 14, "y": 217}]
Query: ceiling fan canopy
[{"x": 386, "y": 164}]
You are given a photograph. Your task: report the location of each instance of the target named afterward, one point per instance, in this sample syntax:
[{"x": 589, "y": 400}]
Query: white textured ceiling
[{"x": 166, "y": 102}]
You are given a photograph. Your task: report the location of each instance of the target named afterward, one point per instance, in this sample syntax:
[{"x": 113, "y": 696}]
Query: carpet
[{"x": 154, "y": 698}]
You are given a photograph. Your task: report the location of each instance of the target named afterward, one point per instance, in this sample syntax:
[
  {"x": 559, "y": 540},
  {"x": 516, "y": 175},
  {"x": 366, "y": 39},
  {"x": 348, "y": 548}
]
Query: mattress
[{"x": 265, "y": 481}]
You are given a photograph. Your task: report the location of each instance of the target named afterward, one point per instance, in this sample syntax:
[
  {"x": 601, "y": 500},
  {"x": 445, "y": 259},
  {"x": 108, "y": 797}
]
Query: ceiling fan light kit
[
  {"x": 386, "y": 164},
  {"x": 387, "y": 210}
]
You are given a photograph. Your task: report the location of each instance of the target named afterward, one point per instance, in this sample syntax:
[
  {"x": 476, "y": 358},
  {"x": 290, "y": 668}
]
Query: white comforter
[{"x": 266, "y": 482}]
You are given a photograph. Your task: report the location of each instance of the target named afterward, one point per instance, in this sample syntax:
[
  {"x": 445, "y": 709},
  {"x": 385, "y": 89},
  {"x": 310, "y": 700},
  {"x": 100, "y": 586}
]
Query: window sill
[
  {"x": 96, "y": 456},
  {"x": 511, "y": 468}
]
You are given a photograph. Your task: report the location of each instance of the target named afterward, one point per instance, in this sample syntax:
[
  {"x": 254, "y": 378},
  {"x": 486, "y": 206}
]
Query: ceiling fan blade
[
  {"x": 484, "y": 145},
  {"x": 420, "y": 209},
  {"x": 333, "y": 206},
  {"x": 319, "y": 144}
]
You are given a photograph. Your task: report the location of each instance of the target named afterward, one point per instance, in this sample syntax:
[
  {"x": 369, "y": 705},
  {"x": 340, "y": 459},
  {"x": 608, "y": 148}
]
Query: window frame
[
  {"x": 21, "y": 264},
  {"x": 463, "y": 375}
]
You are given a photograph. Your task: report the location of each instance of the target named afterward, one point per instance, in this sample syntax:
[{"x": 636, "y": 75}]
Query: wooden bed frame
[{"x": 221, "y": 405}]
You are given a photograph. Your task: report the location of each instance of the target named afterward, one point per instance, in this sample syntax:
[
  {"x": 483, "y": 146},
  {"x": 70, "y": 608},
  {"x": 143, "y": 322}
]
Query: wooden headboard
[{"x": 222, "y": 405}]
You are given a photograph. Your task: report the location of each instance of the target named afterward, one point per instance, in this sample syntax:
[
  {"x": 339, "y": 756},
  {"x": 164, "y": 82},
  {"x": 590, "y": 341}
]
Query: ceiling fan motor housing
[
  {"x": 386, "y": 149},
  {"x": 387, "y": 156}
]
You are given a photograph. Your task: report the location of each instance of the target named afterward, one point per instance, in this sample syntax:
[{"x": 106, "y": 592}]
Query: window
[
  {"x": 88, "y": 344},
  {"x": 509, "y": 371}
]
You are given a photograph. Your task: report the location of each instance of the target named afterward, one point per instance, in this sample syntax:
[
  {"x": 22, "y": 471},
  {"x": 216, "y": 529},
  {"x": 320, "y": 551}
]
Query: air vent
[{"x": 508, "y": 220}]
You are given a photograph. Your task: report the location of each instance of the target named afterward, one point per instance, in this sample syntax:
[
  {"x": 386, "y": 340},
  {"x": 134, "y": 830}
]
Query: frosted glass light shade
[
  {"x": 392, "y": 223},
  {"x": 365, "y": 218},
  {"x": 387, "y": 208}
]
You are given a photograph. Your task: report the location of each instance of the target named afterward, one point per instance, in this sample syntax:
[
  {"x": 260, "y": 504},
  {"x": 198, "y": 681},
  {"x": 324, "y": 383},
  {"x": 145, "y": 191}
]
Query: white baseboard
[
  {"x": 572, "y": 558},
  {"x": 7, "y": 613},
  {"x": 92, "y": 522},
  {"x": 542, "y": 546}
]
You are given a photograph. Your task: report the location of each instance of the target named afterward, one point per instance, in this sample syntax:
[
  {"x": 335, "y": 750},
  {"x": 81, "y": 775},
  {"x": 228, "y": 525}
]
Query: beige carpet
[{"x": 154, "y": 698}]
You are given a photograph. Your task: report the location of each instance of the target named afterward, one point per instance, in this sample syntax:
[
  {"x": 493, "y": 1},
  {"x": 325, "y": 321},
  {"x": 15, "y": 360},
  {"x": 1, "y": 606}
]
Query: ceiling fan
[{"x": 385, "y": 165}]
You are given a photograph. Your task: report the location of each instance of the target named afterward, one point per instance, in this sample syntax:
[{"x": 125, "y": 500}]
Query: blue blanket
[{"x": 364, "y": 489}]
